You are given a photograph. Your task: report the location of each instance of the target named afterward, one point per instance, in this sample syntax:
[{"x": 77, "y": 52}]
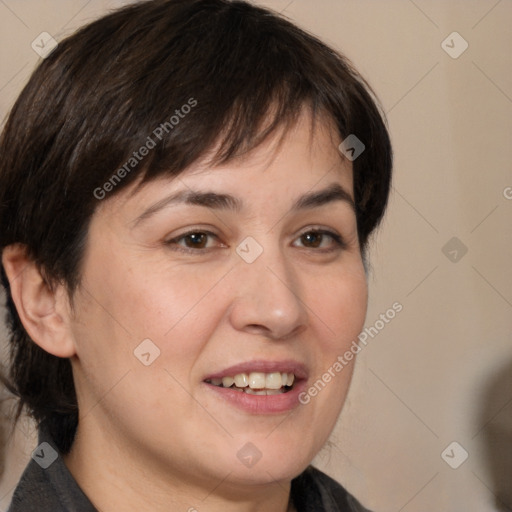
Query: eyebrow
[
  {"x": 334, "y": 192},
  {"x": 216, "y": 201}
]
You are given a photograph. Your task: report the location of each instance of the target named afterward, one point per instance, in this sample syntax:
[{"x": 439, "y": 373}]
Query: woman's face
[{"x": 242, "y": 272}]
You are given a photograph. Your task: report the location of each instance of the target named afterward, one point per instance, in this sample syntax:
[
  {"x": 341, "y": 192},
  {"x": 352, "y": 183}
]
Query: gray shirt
[{"x": 47, "y": 486}]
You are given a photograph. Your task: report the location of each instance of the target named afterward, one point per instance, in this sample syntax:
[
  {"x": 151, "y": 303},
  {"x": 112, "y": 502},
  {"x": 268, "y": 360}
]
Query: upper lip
[{"x": 260, "y": 365}]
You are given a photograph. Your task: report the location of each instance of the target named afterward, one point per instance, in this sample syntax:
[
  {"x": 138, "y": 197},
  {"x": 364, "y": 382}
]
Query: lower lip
[{"x": 261, "y": 404}]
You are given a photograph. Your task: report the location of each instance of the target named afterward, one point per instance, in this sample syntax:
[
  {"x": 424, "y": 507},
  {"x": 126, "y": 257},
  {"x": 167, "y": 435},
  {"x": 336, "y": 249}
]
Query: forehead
[{"x": 293, "y": 158}]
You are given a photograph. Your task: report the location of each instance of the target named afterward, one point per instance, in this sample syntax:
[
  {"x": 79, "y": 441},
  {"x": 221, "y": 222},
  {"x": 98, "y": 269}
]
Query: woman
[{"x": 188, "y": 190}]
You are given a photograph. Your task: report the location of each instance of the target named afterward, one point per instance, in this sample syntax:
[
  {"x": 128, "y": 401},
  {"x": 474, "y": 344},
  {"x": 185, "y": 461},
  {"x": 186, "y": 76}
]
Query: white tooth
[
  {"x": 284, "y": 378},
  {"x": 238, "y": 389},
  {"x": 241, "y": 380},
  {"x": 227, "y": 382},
  {"x": 257, "y": 380},
  {"x": 291, "y": 378},
  {"x": 273, "y": 380},
  {"x": 275, "y": 391},
  {"x": 250, "y": 391},
  {"x": 216, "y": 382}
]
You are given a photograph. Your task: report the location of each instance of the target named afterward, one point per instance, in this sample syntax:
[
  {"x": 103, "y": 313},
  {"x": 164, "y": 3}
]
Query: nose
[{"x": 267, "y": 298}]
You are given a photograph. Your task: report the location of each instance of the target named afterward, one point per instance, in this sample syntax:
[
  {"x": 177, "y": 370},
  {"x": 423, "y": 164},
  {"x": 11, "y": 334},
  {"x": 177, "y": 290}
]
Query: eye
[
  {"x": 321, "y": 239},
  {"x": 194, "y": 240}
]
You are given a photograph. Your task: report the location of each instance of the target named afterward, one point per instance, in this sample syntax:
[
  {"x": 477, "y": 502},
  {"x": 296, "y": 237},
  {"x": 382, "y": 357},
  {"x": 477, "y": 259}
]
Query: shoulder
[
  {"x": 34, "y": 492},
  {"x": 48, "y": 490},
  {"x": 313, "y": 490},
  {"x": 46, "y": 484}
]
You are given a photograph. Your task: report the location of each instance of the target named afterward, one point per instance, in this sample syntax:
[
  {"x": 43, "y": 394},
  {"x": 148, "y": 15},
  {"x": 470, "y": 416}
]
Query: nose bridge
[{"x": 268, "y": 295}]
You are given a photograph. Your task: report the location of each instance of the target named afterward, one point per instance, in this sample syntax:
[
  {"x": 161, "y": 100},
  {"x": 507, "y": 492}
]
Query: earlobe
[{"x": 43, "y": 309}]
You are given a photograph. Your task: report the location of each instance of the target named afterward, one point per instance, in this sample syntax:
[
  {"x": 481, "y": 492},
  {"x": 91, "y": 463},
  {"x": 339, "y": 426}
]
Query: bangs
[{"x": 226, "y": 91}]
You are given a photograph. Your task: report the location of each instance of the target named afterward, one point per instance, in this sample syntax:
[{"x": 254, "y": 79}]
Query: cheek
[
  {"x": 176, "y": 307},
  {"x": 338, "y": 303},
  {"x": 148, "y": 295}
]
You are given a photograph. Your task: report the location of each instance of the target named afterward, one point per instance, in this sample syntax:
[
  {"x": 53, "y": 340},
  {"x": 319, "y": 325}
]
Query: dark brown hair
[{"x": 190, "y": 75}]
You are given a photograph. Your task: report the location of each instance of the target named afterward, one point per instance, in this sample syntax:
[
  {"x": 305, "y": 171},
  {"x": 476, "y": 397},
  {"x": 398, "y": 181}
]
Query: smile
[
  {"x": 259, "y": 386},
  {"x": 256, "y": 383}
]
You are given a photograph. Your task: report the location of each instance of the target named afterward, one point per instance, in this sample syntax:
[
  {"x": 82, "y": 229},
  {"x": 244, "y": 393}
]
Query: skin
[{"x": 155, "y": 436}]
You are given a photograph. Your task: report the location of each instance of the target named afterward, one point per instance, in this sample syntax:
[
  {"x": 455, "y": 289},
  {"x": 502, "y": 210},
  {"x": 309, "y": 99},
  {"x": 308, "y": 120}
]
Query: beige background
[{"x": 441, "y": 370}]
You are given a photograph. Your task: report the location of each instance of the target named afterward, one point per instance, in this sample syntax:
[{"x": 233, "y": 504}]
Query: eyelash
[{"x": 337, "y": 239}]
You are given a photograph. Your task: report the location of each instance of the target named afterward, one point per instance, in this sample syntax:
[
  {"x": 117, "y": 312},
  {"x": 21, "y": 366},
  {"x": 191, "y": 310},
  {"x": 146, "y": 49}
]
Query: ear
[{"x": 44, "y": 310}]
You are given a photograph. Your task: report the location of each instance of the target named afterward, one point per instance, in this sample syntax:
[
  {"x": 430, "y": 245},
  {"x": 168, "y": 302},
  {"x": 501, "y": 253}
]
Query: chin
[
  {"x": 261, "y": 462},
  {"x": 271, "y": 472}
]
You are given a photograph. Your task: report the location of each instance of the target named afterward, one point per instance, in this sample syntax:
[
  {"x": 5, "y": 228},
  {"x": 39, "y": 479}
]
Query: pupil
[
  {"x": 197, "y": 239},
  {"x": 313, "y": 239}
]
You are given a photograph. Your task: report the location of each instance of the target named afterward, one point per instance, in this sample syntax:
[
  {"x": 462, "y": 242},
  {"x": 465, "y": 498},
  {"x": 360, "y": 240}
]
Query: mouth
[
  {"x": 256, "y": 383},
  {"x": 260, "y": 387}
]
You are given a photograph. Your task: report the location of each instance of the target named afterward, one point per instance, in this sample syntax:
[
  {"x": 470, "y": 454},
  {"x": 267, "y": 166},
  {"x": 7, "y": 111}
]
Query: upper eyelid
[{"x": 319, "y": 229}]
